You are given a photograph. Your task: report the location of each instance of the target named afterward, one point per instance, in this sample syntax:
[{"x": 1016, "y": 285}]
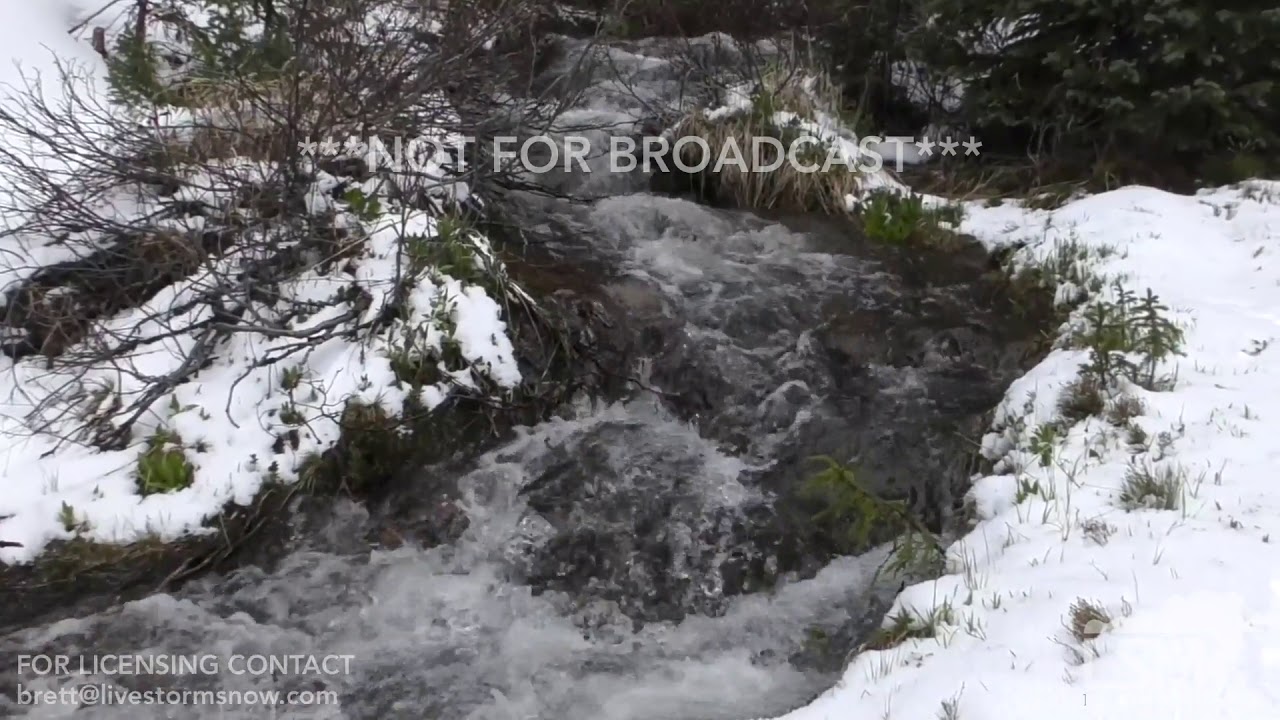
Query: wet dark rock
[
  {"x": 827, "y": 650},
  {"x": 629, "y": 526}
]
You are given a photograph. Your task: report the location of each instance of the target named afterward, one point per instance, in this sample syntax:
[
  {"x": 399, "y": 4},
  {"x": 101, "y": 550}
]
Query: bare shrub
[{"x": 172, "y": 224}]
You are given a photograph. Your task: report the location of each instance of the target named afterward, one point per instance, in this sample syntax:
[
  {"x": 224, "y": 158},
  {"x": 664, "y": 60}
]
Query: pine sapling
[
  {"x": 1157, "y": 338},
  {"x": 1107, "y": 337}
]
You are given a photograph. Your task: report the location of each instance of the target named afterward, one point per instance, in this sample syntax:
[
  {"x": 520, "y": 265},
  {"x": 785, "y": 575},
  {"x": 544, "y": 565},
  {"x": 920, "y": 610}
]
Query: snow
[
  {"x": 259, "y": 387},
  {"x": 1192, "y": 594},
  {"x": 234, "y": 410}
]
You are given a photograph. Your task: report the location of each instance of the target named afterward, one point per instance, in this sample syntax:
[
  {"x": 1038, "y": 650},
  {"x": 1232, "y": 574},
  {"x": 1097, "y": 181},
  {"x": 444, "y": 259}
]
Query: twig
[{"x": 83, "y": 23}]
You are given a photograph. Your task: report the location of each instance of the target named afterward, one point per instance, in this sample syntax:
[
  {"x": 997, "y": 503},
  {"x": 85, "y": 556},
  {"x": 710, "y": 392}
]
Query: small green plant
[
  {"x": 1107, "y": 336},
  {"x": 850, "y": 506},
  {"x": 1043, "y": 442},
  {"x": 951, "y": 213},
  {"x": 133, "y": 72},
  {"x": 450, "y": 251},
  {"x": 1070, "y": 263},
  {"x": 417, "y": 362},
  {"x": 291, "y": 415},
  {"x": 1154, "y": 488},
  {"x": 163, "y": 467},
  {"x": 226, "y": 51},
  {"x": 853, "y": 514},
  {"x": 412, "y": 368},
  {"x": 69, "y": 520},
  {"x": 365, "y": 207},
  {"x": 373, "y": 447},
  {"x": 290, "y": 378},
  {"x": 910, "y": 625},
  {"x": 893, "y": 220},
  {"x": 896, "y": 220},
  {"x": 413, "y": 362},
  {"x": 916, "y": 552},
  {"x": 419, "y": 252},
  {"x": 1155, "y": 339},
  {"x": 1130, "y": 338},
  {"x": 225, "y": 45},
  {"x": 1026, "y": 490}
]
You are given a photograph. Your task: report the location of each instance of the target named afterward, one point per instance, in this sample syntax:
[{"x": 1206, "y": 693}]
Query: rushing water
[
  {"x": 625, "y": 562},
  {"x": 446, "y": 634}
]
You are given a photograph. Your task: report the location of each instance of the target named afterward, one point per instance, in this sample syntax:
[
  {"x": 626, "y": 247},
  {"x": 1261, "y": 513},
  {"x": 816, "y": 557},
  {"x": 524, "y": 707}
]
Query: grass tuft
[
  {"x": 788, "y": 188},
  {"x": 1097, "y": 531},
  {"x": 1153, "y": 488},
  {"x": 1124, "y": 409},
  {"x": 1087, "y": 620},
  {"x": 1082, "y": 398},
  {"x": 910, "y": 625}
]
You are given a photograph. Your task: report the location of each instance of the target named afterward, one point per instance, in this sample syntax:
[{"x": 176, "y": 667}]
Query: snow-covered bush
[{"x": 209, "y": 246}]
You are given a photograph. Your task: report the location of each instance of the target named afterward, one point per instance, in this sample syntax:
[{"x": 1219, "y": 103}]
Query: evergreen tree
[{"x": 1182, "y": 78}]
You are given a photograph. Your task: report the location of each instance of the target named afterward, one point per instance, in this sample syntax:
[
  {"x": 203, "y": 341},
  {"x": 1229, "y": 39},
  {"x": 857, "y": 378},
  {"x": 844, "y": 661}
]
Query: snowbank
[
  {"x": 265, "y": 403},
  {"x": 35, "y": 36},
  {"x": 1192, "y": 594}
]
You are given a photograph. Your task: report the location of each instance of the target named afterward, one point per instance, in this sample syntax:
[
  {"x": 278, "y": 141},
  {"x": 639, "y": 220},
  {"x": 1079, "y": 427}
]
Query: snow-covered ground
[
  {"x": 36, "y": 45},
  {"x": 1193, "y": 593},
  {"x": 266, "y": 403}
]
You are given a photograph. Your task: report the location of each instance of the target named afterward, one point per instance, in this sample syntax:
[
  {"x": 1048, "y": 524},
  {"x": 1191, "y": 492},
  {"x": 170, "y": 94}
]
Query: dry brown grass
[
  {"x": 1088, "y": 620},
  {"x": 245, "y": 117},
  {"x": 1044, "y": 182},
  {"x": 208, "y": 92},
  {"x": 786, "y": 188},
  {"x": 204, "y": 143},
  {"x": 229, "y": 119},
  {"x": 806, "y": 93},
  {"x": 58, "y": 321},
  {"x": 174, "y": 251},
  {"x": 785, "y": 85}
]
